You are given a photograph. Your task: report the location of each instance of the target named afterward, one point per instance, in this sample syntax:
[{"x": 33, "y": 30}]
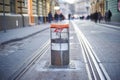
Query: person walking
[
  {"x": 61, "y": 17},
  {"x": 50, "y": 17},
  {"x": 99, "y": 16},
  {"x": 69, "y": 16},
  {"x": 56, "y": 17},
  {"x": 106, "y": 16},
  {"x": 109, "y": 15},
  {"x": 95, "y": 15}
]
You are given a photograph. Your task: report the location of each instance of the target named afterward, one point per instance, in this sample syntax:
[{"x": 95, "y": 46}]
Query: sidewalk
[
  {"x": 111, "y": 23},
  {"x": 21, "y": 33}
]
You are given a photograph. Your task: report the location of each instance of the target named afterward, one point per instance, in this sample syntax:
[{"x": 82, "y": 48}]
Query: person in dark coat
[
  {"x": 106, "y": 16},
  {"x": 69, "y": 16},
  {"x": 56, "y": 16},
  {"x": 109, "y": 15},
  {"x": 61, "y": 17},
  {"x": 99, "y": 16},
  {"x": 50, "y": 17},
  {"x": 95, "y": 15}
]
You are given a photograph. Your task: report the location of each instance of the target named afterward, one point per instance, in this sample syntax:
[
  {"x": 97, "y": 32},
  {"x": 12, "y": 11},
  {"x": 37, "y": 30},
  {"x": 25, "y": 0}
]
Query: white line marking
[
  {"x": 85, "y": 59},
  {"x": 79, "y": 33}
]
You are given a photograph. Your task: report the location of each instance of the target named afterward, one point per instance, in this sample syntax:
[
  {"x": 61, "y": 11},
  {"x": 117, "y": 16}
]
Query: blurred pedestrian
[
  {"x": 50, "y": 17},
  {"x": 61, "y": 17},
  {"x": 69, "y": 16},
  {"x": 109, "y": 15},
  {"x": 56, "y": 16},
  {"x": 95, "y": 15},
  {"x": 91, "y": 17},
  {"x": 99, "y": 16},
  {"x": 106, "y": 16}
]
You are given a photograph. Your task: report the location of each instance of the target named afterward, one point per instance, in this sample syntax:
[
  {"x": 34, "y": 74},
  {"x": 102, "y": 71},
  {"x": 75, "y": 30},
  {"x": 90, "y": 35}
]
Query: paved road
[
  {"x": 105, "y": 41},
  {"x": 75, "y": 71},
  {"x": 15, "y": 54}
]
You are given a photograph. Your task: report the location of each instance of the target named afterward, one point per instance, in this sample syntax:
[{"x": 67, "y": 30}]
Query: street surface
[
  {"x": 105, "y": 42},
  {"x": 43, "y": 70},
  {"x": 15, "y": 54}
]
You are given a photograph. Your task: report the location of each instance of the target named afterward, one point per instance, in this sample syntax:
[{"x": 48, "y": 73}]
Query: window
[
  {"x": 106, "y": 5},
  {"x": 12, "y": 6},
  {"x": 25, "y": 3}
]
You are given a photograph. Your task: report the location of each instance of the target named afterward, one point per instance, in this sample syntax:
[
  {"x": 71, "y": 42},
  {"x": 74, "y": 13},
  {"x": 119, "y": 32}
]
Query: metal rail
[
  {"x": 27, "y": 65},
  {"x": 95, "y": 69}
]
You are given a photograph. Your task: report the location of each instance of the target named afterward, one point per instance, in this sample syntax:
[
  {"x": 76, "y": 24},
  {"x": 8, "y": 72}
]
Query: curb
[
  {"x": 18, "y": 39},
  {"x": 111, "y": 23},
  {"x": 110, "y": 26}
]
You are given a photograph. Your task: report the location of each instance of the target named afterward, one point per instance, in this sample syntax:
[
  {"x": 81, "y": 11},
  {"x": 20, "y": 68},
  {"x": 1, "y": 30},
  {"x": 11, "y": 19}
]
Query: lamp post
[{"x": 4, "y": 27}]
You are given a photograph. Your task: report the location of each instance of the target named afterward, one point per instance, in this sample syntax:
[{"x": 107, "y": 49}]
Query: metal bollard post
[{"x": 59, "y": 44}]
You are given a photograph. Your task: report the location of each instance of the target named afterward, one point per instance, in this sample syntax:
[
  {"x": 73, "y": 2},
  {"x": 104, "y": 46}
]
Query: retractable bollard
[{"x": 59, "y": 44}]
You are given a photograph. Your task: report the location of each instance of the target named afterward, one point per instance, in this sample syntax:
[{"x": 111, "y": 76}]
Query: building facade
[
  {"x": 113, "y": 5},
  {"x": 21, "y": 13},
  {"x": 98, "y": 5},
  {"x": 105, "y": 5},
  {"x": 65, "y": 9},
  {"x": 82, "y": 7}
]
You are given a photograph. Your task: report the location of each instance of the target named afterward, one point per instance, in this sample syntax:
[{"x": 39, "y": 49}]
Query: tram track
[
  {"x": 30, "y": 62},
  {"x": 94, "y": 67}
]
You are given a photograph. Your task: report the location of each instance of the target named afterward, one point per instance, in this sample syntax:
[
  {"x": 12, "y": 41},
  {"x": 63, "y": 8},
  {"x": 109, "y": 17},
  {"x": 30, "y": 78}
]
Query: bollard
[{"x": 59, "y": 44}]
